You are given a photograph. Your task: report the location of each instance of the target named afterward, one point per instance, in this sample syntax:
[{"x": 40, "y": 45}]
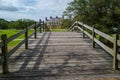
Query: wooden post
[
  {"x": 4, "y": 54},
  {"x": 93, "y": 36},
  {"x": 35, "y": 28},
  {"x": 40, "y": 25},
  {"x": 43, "y": 26},
  {"x": 83, "y": 30},
  {"x": 115, "y": 60},
  {"x": 26, "y": 38}
]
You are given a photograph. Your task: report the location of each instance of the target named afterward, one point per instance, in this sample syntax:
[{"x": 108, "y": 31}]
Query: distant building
[{"x": 54, "y": 22}]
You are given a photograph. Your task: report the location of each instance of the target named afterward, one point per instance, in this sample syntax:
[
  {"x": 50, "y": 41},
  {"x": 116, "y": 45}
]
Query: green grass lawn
[
  {"x": 9, "y": 32},
  {"x": 16, "y": 41},
  {"x": 58, "y": 30}
]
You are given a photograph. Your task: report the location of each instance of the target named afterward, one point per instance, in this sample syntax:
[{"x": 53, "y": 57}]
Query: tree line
[
  {"x": 103, "y": 14},
  {"x": 18, "y": 24}
]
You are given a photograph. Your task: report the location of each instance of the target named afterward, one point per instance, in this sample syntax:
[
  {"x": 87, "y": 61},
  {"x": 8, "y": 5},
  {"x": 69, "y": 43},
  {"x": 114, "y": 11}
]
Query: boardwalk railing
[
  {"x": 91, "y": 32},
  {"x": 5, "y": 54}
]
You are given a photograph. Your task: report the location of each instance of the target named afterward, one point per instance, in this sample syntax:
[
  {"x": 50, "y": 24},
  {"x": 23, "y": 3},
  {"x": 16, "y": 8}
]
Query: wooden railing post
[
  {"x": 83, "y": 30},
  {"x": 77, "y": 27},
  {"x": 93, "y": 36},
  {"x": 43, "y": 27},
  {"x": 40, "y": 25},
  {"x": 35, "y": 28},
  {"x": 26, "y": 38},
  {"x": 115, "y": 60},
  {"x": 4, "y": 54}
]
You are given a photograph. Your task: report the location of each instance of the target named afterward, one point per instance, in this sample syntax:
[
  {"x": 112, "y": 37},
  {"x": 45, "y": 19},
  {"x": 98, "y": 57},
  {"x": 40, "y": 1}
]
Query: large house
[{"x": 54, "y": 22}]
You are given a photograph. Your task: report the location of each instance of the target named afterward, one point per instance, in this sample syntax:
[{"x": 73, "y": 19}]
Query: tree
[
  {"x": 3, "y": 24},
  {"x": 21, "y": 23},
  {"x": 104, "y": 14},
  {"x": 66, "y": 23}
]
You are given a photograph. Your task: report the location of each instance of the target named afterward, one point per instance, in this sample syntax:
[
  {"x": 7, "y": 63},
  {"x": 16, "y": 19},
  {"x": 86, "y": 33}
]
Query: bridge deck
[{"x": 60, "y": 56}]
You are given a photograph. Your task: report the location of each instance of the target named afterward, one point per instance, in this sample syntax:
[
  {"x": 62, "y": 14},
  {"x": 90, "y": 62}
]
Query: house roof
[{"x": 54, "y": 19}]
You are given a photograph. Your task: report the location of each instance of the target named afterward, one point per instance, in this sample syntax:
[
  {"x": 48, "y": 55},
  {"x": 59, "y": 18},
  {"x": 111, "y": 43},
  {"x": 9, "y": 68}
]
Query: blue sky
[{"x": 31, "y": 9}]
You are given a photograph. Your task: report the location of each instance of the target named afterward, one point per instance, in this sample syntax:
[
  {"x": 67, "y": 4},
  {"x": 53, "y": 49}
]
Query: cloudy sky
[{"x": 31, "y": 9}]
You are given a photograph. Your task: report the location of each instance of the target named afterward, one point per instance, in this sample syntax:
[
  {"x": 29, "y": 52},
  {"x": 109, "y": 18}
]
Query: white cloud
[
  {"x": 7, "y": 5},
  {"x": 34, "y": 9}
]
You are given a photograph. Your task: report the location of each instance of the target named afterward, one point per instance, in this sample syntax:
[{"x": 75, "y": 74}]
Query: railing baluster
[
  {"x": 93, "y": 36},
  {"x": 40, "y": 25},
  {"x": 26, "y": 38},
  {"x": 4, "y": 48},
  {"x": 43, "y": 26},
  {"x": 115, "y": 60},
  {"x": 35, "y": 29},
  {"x": 114, "y": 40},
  {"x": 83, "y": 30},
  {"x": 4, "y": 54}
]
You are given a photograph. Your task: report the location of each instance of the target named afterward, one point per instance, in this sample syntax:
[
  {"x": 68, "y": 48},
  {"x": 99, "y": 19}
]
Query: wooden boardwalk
[{"x": 60, "y": 56}]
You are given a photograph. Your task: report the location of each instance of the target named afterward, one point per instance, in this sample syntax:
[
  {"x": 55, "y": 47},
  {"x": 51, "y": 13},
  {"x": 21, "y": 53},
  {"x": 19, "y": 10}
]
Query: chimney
[
  {"x": 46, "y": 19},
  {"x": 50, "y": 17},
  {"x": 56, "y": 17}
]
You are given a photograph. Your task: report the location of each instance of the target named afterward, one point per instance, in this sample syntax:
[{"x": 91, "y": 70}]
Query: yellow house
[{"x": 54, "y": 22}]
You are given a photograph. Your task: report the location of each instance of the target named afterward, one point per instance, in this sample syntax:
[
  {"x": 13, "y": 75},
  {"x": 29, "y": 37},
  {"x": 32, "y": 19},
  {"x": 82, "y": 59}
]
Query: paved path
[{"x": 60, "y": 56}]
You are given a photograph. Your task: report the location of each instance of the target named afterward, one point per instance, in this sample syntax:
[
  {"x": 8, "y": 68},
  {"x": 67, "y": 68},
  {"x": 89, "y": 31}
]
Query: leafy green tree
[
  {"x": 66, "y": 23},
  {"x": 21, "y": 23},
  {"x": 3, "y": 24},
  {"x": 104, "y": 14}
]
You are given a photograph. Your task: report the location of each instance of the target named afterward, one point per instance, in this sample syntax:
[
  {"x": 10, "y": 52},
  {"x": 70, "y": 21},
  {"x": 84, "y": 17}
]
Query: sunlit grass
[
  {"x": 9, "y": 32},
  {"x": 58, "y": 30},
  {"x": 16, "y": 41}
]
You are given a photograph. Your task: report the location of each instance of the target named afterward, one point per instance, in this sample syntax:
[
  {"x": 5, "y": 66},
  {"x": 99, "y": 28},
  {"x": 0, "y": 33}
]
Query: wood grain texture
[{"x": 52, "y": 56}]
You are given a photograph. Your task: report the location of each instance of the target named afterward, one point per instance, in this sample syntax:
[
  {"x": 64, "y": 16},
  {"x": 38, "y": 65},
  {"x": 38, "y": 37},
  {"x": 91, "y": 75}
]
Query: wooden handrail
[
  {"x": 4, "y": 41},
  {"x": 106, "y": 36},
  {"x": 15, "y": 36},
  {"x": 113, "y": 39}
]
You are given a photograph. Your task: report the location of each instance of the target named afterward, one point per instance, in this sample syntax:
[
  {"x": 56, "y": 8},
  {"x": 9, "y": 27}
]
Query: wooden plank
[
  {"x": 106, "y": 36},
  {"x": 71, "y": 26},
  {"x": 88, "y": 34},
  {"x": 37, "y": 23},
  {"x": 15, "y": 36},
  {"x": 35, "y": 30},
  {"x": 88, "y": 60},
  {"x": 86, "y": 26},
  {"x": 109, "y": 50},
  {"x": 79, "y": 28},
  {"x": 118, "y": 43},
  {"x": 115, "y": 60},
  {"x": 15, "y": 48},
  {"x": 26, "y": 38},
  {"x": 118, "y": 56},
  {"x": 1, "y": 44},
  {"x": 98, "y": 32},
  {"x": 93, "y": 36},
  {"x": 31, "y": 34},
  {"x": 72, "y": 29},
  {"x": 30, "y": 27}
]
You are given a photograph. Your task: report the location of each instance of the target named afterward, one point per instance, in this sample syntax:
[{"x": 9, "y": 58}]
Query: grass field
[
  {"x": 16, "y": 41},
  {"x": 58, "y": 30},
  {"x": 11, "y": 32}
]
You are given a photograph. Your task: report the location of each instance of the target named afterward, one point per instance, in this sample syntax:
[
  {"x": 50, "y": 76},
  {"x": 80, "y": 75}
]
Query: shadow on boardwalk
[{"x": 66, "y": 63}]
